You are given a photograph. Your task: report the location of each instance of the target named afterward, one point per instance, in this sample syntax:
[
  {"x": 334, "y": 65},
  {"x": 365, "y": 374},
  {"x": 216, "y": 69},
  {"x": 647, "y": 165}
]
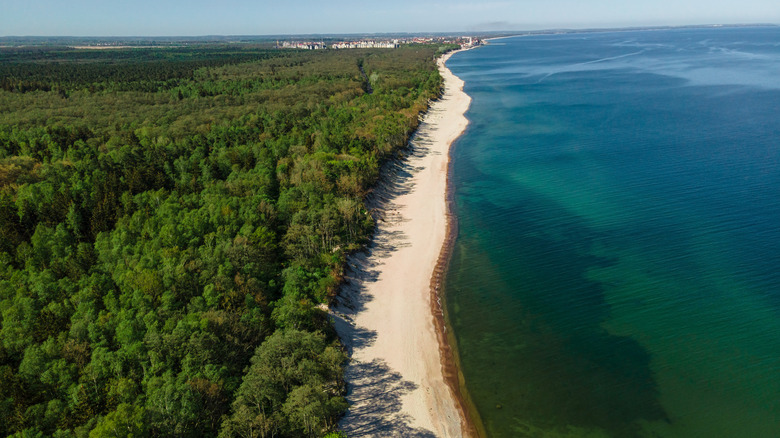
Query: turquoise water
[{"x": 616, "y": 271}]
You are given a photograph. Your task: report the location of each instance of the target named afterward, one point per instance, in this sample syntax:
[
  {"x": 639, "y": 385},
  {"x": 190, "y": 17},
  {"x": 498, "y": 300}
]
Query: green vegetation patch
[{"x": 169, "y": 221}]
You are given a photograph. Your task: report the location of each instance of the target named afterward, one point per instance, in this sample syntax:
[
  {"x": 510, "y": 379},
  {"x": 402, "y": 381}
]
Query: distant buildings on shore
[
  {"x": 464, "y": 42},
  {"x": 320, "y": 45},
  {"x": 300, "y": 45},
  {"x": 370, "y": 44}
]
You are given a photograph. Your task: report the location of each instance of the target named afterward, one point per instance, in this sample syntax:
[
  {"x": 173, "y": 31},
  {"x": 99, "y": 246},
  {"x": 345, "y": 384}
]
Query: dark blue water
[{"x": 617, "y": 268}]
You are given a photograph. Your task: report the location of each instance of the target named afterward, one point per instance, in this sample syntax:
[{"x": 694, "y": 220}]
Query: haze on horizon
[{"x": 244, "y": 17}]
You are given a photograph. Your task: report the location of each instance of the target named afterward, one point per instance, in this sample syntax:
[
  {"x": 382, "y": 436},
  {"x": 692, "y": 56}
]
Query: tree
[
  {"x": 165, "y": 211},
  {"x": 127, "y": 421},
  {"x": 311, "y": 409},
  {"x": 294, "y": 372}
]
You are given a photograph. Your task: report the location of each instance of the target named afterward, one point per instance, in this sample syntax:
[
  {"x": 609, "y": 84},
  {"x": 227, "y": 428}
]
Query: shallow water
[{"x": 616, "y": 268}]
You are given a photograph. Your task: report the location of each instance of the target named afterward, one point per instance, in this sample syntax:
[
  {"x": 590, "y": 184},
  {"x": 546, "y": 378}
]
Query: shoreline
[
  {"x": 453, "y": 375},
  {"x": 402, "y": 377}
]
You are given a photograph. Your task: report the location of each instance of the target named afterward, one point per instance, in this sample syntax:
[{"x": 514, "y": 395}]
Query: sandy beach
[{"x": 385, "y": 312}]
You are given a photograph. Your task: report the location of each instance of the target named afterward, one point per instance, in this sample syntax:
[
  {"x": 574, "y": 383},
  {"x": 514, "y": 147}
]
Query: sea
[{"x": 616, "y": 271}]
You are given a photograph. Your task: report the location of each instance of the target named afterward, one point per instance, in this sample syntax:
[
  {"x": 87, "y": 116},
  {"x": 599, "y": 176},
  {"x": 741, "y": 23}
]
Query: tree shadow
[
  {"x": 396, "y": 180},
  {"x": 351, "y": 336},
  {"x": 375, "y": 391},
  {"x": 374, "y": 394}
]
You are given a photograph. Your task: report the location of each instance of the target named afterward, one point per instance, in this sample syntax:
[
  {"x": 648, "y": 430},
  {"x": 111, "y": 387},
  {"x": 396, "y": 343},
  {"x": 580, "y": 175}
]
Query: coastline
[
  {"x": 453, "y": 375},
  {"x": 402, "y": 379}
]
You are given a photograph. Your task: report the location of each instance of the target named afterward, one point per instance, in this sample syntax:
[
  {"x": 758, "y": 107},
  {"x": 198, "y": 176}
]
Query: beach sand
[{"x": 385, "y": 313}]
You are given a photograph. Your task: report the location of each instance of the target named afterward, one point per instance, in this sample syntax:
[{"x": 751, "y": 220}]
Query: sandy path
[{"x": 384, "y": 313}]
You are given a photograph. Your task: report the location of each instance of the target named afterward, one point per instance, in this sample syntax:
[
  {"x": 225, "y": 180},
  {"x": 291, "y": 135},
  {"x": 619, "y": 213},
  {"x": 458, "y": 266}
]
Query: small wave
[{"x": 573, "y": 67}]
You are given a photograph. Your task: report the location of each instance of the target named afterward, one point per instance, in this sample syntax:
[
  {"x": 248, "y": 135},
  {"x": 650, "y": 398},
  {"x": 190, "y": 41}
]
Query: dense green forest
[{"x": 170, "y": 220}]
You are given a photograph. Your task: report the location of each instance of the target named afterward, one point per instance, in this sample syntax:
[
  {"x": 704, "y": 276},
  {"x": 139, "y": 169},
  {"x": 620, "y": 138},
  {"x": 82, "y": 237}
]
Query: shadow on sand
[{"x": 374, "y": 390}]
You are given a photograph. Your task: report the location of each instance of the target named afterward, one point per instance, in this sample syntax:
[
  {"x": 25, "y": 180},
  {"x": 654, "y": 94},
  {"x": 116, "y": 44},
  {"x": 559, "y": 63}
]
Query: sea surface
[{"x": 617, "y": 265}]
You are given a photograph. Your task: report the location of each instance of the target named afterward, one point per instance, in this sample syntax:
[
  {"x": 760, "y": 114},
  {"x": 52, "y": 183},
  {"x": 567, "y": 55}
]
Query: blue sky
[{"x": 262, "y": 17}]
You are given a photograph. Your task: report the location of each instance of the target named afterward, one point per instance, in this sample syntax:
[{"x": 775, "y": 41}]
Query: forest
[{"x": 172, "y": 219}]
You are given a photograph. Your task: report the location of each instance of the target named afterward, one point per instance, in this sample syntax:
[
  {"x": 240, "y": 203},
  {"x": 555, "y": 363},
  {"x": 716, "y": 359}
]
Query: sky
[{"x": 262, "y": 17}]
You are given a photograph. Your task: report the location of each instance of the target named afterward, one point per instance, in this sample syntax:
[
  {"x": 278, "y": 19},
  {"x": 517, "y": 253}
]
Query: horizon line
[{"x": 442, "y": 33}]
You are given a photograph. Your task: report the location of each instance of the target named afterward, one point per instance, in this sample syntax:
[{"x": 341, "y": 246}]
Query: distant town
[{"x": 464, "y": 42}]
